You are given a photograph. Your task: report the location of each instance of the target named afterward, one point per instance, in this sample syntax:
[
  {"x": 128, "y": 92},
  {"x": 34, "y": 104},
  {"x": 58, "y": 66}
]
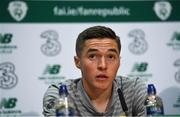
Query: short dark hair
[{"x": 98, "y": 32}]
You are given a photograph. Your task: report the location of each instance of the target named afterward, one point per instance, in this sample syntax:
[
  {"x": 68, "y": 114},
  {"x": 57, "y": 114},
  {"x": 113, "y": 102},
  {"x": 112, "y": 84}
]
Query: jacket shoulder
[{"x": 123, "y": 81}]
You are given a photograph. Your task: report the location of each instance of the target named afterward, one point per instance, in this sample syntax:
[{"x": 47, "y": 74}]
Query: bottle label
[
  {"x": 154, "y": 110},
  {"x": 65, "y": 111},
  {"x": 63, "y": 108}
]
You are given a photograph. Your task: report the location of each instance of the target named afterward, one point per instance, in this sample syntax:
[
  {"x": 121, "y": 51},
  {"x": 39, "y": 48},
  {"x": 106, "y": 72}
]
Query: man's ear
[{"x": 77, "y": 61}]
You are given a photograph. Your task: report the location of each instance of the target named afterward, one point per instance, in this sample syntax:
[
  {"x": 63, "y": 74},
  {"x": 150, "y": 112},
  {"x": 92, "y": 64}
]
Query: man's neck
[
  {"x": 99, "y": 98},
  {"x": 101, "y": 102}
]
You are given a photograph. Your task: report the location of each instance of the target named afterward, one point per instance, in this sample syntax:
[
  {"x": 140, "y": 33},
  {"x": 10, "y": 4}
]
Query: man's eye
[
  {"x": 92, "y": 56},
  {"x": 111, "y": 57}
]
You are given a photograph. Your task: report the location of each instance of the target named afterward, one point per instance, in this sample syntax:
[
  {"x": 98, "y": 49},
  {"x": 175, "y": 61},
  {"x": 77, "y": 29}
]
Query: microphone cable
[{"x": 122, "y": 100}]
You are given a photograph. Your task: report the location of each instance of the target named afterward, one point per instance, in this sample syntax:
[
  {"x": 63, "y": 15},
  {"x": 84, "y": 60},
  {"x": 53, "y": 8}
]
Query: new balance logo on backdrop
[
  {"x": 8, "y": 77},
  {"x": 52, "y": 46},
  {"x": 175, "y": 41},
  {"x": 17, "y": 10},
  {"x": 52, "y": 69},
  {"x": 9, "y": 103},
  {"x": 139, "y": 45},
  {"x": 51, "y": 74},
  {"x": 162, "y": 9},
  {"x": 8, "y": 107},
  {"x": 140, "y": 69},
  {"x": 5, "y": 43},
  {"x": 5, "y": 38}
]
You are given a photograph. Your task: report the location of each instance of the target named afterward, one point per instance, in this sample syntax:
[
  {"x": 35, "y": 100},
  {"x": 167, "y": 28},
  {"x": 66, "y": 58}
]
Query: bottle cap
[
  {"x": 151, "y": 89},
  {"x": 63, "y": 89}
]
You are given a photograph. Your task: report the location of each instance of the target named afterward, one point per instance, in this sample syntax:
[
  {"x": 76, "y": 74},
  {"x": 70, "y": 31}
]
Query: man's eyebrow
[
  {"x": 92, "y": 50},
  {"x": 111, "y": 50}
]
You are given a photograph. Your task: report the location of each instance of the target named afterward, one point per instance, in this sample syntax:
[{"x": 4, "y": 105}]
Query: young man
[{"x": 99, "y": 92}]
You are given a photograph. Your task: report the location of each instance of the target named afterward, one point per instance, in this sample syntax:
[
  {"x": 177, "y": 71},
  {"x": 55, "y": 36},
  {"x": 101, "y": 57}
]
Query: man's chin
[{"x": 103, "y": 87}]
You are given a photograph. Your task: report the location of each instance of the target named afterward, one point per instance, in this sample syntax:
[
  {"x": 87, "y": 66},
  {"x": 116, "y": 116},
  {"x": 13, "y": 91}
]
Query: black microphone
[{"x": 122, "y": 100}]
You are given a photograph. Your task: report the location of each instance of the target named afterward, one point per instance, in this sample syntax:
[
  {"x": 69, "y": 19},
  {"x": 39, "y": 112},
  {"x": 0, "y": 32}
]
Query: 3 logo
[
  {"x": 139, "y": 45},
  {"x": 177, "y": 74},
  {"x": 8, "y": 78},
  {"x": 52, "y": 46},
  {"x": 18, "y": 10}
]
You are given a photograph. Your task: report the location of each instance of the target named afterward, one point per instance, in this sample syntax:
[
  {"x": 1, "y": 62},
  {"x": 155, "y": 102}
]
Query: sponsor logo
[
  {"x": 175, "y": 41},
  {"x": 8, "y": 78},
  {"x": 51, "y": 74},
  {"x": 140, "y": 70},
  {"x": 5, "y": 43},
  {"x": 5, "y": 38},
  {"x": 52, "y": 46},
  {"x": 177, "y": 74},
  {"x": 8, "y": 103},
  {"x": 17, "y": 10},
  {"x": 139, "y": 45},
  {"x": 162, "y": 9},
  {"x": 8, "y": 107},
  {"x": 52, "y": 69}
]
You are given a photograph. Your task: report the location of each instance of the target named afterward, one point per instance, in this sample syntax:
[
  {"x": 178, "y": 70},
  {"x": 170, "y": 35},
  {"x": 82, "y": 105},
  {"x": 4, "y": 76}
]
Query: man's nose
[{"x": 102, "y": 63}]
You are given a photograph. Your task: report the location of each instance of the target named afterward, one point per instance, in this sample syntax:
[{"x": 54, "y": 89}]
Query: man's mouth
[{"x": 101, "y": 77}]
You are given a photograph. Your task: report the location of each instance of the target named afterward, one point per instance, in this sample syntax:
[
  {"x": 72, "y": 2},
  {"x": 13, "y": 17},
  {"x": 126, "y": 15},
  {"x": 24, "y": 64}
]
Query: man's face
[{"x": 99, "y": 62}]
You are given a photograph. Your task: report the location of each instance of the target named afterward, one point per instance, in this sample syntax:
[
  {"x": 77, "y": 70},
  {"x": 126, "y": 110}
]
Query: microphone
[{"x": 122, "y": 100}]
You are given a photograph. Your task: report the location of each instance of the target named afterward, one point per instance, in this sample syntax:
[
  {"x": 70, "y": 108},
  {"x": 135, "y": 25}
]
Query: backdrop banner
[{"x": 37, "y": 46}]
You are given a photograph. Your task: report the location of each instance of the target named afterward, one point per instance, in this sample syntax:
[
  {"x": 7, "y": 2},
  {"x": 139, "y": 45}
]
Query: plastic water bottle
[
  {"x": 153, "y": 103},
  {"x": 63, "y": 107}
]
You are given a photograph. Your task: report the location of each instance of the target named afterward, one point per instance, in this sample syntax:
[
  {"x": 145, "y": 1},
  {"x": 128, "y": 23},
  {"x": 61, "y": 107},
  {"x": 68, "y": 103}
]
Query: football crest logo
[
  {"x": 17, "y": 10},
  {"x": 163, "y": 9}
]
